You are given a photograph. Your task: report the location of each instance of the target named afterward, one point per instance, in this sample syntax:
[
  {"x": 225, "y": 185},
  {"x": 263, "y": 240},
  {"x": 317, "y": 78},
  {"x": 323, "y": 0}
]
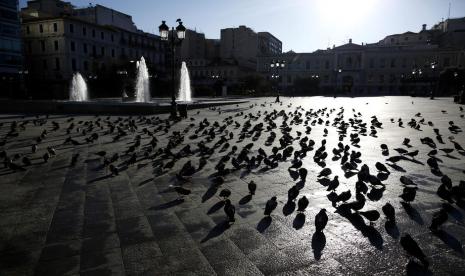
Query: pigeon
[
  {"x": 26, "y": 161},
  {"x": 46, "y": 157},
  {"x": 412, "y": 248},
  {"x": 302, "y": 204},
  {"x": 292, "y": 193},
  {"x": 303, "y": 173},
  {"x": 408, "y": 194},
  {"x": 270, "y": 206},
  {"x": 74, "y": 159},
  {"x": 389, "y": 211},
  {"x": 344, "y": 196},
  {"x": 325, "y": 172},
  {"x": 229, "y": 210},
  {"x": 371, "y": 215},
  {"x": 321, "y": 219},
  {"x": 381, "y": 167},
  {"x": 252, "y": 187},
  {"x": 406, "y": 142},
  {"x": 333, "y": 184},
  {"x": 225, "y": 193},
  {"x": 113, "y": 169}
]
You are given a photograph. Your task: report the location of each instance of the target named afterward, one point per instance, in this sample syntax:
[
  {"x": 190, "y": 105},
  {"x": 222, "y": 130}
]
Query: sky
[{"x": 302, "y": 25}]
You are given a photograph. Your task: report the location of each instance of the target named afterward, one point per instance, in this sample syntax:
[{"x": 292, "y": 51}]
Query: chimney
[
  {"x": 350, "y": 40},
  {"x": 423, "y": 27}
]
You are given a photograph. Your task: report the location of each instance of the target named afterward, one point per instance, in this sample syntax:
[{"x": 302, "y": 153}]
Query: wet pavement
[{"x": 62, "y": 219}]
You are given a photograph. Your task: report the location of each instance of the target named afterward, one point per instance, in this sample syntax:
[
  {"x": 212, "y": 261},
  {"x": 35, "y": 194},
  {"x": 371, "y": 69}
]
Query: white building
[{"x": 397, "y": 63}]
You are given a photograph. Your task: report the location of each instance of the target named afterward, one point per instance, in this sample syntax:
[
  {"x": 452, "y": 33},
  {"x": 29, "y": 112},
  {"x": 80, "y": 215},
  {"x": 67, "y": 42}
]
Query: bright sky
[{"x": 302, "y": 25}]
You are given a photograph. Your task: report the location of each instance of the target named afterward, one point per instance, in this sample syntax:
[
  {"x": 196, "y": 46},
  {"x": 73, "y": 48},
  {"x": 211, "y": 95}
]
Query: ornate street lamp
[
  {"x": 277, "y": 65},
  {"x": 176, "y": 38},
  {"x": 433, "y": 68}
]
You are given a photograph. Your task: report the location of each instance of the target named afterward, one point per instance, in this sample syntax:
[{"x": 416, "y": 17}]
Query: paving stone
[{"x": 63, "y": 220}]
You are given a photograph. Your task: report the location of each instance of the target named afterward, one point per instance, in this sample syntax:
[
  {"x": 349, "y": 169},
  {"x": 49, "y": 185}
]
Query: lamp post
[
  {"x": 434, "y": 87},
  {"x": 275, "y": 66},
  {"x": 416, "y": 76},
  {"x": 23, "y": 81},
  {"x": 176, "y": 37},
  {"x": 123, "y": 77},
  {"x": 337, "y": 72}
]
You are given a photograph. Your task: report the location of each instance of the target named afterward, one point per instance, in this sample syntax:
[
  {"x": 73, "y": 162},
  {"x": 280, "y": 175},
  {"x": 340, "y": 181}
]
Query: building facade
[
  {"x": 10, "y": 48},
  {"x": 93, "y": 41},
  {"x": 404, "y": 63},
  {"x": 244, "y": 45}
]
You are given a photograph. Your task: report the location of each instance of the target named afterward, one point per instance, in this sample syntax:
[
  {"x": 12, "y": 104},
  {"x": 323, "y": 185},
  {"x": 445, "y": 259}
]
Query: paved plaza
[{"x": 79, "y": 209}]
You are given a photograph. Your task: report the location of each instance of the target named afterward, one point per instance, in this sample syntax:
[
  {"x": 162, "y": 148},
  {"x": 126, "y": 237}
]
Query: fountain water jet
[
  {"x": 78, "y": 89},
  {"x": 184, "y": 93},
  {"x": 142, "y": 82}
]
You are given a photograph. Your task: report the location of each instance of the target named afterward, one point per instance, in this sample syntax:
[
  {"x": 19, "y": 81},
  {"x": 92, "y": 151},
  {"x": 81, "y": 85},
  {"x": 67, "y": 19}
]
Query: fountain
[
  {"x": 78, "y": 89},
  {"x": 142, "y": 83},
  {"x": 184, "y": 93}
]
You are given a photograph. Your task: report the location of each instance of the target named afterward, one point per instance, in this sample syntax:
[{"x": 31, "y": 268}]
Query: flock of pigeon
[{"x": 231, "y": 141}]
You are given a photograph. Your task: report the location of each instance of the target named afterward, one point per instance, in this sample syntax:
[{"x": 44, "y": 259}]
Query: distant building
[
  {"x": 60, "y": 39},
  {"x": 400, "y": 63},
  {"x": 244, "y": 45},
  {"x": 227, "y": 60},
  {"x": 10, "y": 47}
]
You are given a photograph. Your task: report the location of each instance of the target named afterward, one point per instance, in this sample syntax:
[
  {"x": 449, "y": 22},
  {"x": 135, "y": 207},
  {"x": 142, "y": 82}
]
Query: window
[
  {"x": 71, "y": 28},
  {"x": 41, "y": 28},
  {"x": 93, "y": 33},
  {"x": 55, "y": 44},
  {"x": 382, "y": 63},
  {"x": 349, "y": 61},
  {"x": 446, "y": 62},
  {"x": 84, "y": 48},
  {"x": 86, "y": 66},
  {"x": 112, "y": 38},
  {"x": 381, "y": 78},
  {"x": 44, "y": 64},
  {"x": 393, "y": 63},
  {"x": 28, "y": 30},
  {"x": 84, "y": 31},
  {"x": 372, "y": 62},
  {"x": 406, "y": 38},
  {"x": 94, "y": 50},
  {"x": 55, "y": 27},
  {"x": 102, "y": 51},
  {"x": 29, "y": 47},
  {"x": 42, "y": 45},
  {"x": 112, "y": 53},
  {"x": 327, "y": 64},
  {"x": 102, "y": 35},
  {"x": 392, "y": 78},
  {"x": 73, "y": 64},
  {"x": 57, "y": 64},
  {"x": 73, "y": 46}
]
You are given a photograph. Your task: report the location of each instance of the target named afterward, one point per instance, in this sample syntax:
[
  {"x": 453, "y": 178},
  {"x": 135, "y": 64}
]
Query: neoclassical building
[
  {"x": 389, "y": 66},
  {"x": 60, "y": 39}
]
